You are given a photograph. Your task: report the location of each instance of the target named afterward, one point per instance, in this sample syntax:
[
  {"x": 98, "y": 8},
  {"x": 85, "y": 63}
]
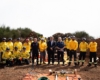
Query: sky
[{"x": 52, "y": 16}]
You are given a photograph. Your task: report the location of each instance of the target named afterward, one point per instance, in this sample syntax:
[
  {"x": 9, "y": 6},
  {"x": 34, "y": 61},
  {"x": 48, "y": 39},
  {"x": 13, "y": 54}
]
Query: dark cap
[
  {"x": 16, "y": 47},
  {"x": 24, "y": 47},
  {"x": 7, "y": 48}
]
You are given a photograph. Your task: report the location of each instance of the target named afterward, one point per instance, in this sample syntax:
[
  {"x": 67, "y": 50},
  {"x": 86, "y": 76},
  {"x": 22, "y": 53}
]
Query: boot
[
  {"x": 69, "y": 63},
  {"x": 78, "y": 63},
  {"x": 82, "y": 63},
  {"x": 95, "y": 65},
  {"x": 89, "y": 65}
]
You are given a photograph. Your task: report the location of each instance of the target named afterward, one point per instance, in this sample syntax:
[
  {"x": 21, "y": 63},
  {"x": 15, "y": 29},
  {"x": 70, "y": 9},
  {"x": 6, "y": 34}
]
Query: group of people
[
  {"x": 70, "y": 45},
  {"x": 16, "y": 52}
]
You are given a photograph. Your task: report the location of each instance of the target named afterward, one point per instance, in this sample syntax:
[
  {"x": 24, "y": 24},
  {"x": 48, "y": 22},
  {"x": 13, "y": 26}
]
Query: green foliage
[
  {"x": 81, "y": 34},
  {"x": 15, "y": 33}
]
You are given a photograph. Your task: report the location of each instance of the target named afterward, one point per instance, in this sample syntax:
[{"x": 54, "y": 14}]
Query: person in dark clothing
[
  {"x": 51, "y": 49},
  {"x": 35, "y": 49},
  {"x": 60, "y": 50}
]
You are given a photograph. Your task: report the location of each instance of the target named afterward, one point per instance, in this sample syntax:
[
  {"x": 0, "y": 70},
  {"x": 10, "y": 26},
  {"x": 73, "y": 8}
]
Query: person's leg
[
  {"x": 44, "y": 55},
  {"x": 67, "y": 54},
  {"x": 26, "y": 61},
  {"x": 75, "y": 62},
  {"x": 62, "y": 57},
  {"x": 41, "y": 56},
  {"x": 52, "y": 57},
  {"x": 37, "y": 58},
  {"x": 33, "y": 56},
  {"x": 58, "y": 55},
  {"x": 90, "y": 62},
  {"x": 95, "y": 62},
  {"x": 49, "y": 54},
  {"x": 80, "y": 57},
  {"x": 83, "y": 60},
  {"x": 70, "y": 58}
]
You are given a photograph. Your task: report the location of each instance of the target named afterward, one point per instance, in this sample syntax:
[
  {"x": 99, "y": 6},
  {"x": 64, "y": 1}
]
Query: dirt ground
[{"x": 18, "y": 72}]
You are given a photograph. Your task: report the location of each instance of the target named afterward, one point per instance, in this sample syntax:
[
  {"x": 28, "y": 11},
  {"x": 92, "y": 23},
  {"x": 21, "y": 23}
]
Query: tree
[{"x": 81, "y": 34}]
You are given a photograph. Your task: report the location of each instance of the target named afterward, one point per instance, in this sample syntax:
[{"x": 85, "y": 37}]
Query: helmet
[
  {"x": 83, "y": 38},
  {"x": 18, "y": 38},
  {"x": 4, "y": 38},
  {"x": 73, "y": 37},
  {"x": 31, "y": 38},
  {"x": 69, "y": 37},
  {"x": 42, "y": 39}
]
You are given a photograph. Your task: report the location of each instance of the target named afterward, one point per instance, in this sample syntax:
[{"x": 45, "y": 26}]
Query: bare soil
[{"x": 18, "y": 72}]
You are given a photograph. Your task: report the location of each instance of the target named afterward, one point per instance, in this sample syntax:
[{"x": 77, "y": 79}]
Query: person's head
[
  {"x": 31, "y": 38},
  {"x": 16, "y": 48},
  {"x": 24, "y": 48},
  {"x": 59, "y": 39},
  {"x": 51, "y": 38},
  {"x": 64, "y": 38},
  {"x": 4, "y": 39},
  {"x": 27, "y": 40},
  {"x": 42, "y": 39},
  {"x": 83, "y": 39},
  {"x": 9, "y": 39},
  {"x": 73, "y": 37},
  {"x": 35, "y": 39},
  {"x": 69, "y": 38},
  {"x": 7, "y": 49},
  {"x": 18, "y": 39}
]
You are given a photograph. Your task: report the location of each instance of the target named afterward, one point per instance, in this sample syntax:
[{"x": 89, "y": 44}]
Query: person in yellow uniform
[
  {"x": 83, "y": 46},
  {"x": 8, "y": 57},
  {"x": 93, "y": 52},
  {"x": 68, "y": 52},
  {"x": 3, "y": 46},
  {"x": 73, "y": 46},
  {"x": 17, "y": 56},
  {"x": 10, "y": 44},
  {"x": 18, "y": 44},
  {"x": 65, "y": 43},
  {"x": 42, "y": 49},
  {"x": 25, "y": 55},
  {"x": 27, "y": 44}
]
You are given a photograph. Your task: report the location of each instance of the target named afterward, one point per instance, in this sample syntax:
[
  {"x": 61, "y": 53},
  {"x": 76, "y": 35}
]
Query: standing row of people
[
  {"x": 51, "y": 46},
  {"x": 73, "y": 45}
]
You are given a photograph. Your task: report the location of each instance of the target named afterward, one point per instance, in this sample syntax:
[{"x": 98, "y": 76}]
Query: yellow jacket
[
  {"x": 73, "y": 45},
  {"x": 42, "y": 46},
  {"x": 66, "y": 43},
  {"x": 16, "y": 54},
  {"x": 19, "y": 45},
  {"x": 25, "y": 54},
  {"x": 93, "y": 46},
  {"x": 10, "y": 45},
  {"x": 27, "y": 45},
  {"x": 7, "y": 55},
  {"x": 83, "y": 46},
  {"x": 3, "y": 46}
]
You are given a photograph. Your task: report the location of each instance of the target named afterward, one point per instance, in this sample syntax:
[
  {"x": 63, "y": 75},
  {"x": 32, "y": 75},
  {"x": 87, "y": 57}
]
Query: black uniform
[{"x": 35, "y": 49}]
